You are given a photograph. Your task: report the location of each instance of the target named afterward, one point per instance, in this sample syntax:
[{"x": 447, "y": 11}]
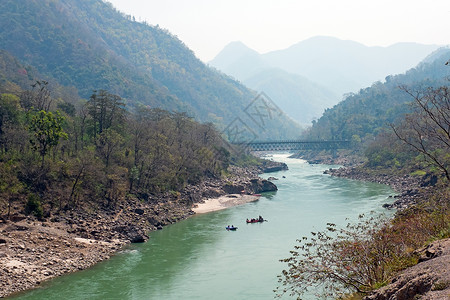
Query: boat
[
  {"x": 257, "y": 220},
  {"x": 232, "y": 228}
]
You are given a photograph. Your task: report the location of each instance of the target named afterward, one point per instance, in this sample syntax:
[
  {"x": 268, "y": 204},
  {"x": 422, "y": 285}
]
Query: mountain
[
  {"x": 89, "y": 45},
  {"x": 365, "y": 114},
  {"x": 341, "y": 66},
  {"x": 301, "y": 99},
  {"x": 239, "y": 61}
]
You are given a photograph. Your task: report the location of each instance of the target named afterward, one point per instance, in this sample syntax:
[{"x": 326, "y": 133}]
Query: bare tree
[
  {"x": 427, "y": 128},
  {"x": 38, "y": 98}
]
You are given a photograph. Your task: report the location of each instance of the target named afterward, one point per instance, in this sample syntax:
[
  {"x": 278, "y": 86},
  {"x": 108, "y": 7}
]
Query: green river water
[{"x": 198, "y": 259}]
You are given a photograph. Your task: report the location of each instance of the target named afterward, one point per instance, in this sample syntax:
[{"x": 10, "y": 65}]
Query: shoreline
[
  {"x": 223, "y": 202},
  {"x": 33, "y": 251}
]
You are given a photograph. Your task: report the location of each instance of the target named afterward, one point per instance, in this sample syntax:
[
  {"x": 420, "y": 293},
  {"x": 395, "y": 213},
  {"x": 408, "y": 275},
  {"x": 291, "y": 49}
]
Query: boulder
[
  {"x": 234, "y": 189},
  {"x": 258, "y": 185},
  {"x": 132, "y": 233},
  {"x": 428, "y": 280},
  {"x": 273, "y": 166}
]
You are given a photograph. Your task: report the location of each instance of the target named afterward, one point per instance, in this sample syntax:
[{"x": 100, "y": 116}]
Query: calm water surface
[{"x": 198, "y": 259}]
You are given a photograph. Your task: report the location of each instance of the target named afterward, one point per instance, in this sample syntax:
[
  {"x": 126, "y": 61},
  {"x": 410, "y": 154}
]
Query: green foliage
[
  {"x": 108, "y": 154},
  {"x": 372, "y": 109},
  {"x": 420, "y": 173},
  {"x": 88, "y": 44},
  {"x": 34, "y": 207},
  {"x": 46, "y": 131}
]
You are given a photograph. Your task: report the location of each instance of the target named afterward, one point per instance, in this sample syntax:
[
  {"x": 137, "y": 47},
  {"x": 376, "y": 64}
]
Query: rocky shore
[
  {"x": 410, "y": 189},
  {"x": 428, "y": 280},
  {"x": 33, "y": 251}
]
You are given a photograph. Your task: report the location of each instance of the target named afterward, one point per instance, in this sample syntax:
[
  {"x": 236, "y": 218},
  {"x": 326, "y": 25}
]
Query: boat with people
[
  {"x": 256, "y": 220},
  {"x": 232, "y": 228}
]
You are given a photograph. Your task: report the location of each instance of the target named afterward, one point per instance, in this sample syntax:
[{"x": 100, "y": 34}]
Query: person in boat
[{"x": 261, "y": 219}]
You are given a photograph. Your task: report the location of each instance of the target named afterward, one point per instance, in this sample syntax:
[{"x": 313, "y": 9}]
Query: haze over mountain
[
  {"x": 328, "y": 68},
  {"x": 302, "y": 99},
  {"x": 89, "y": 45},
  {"x": 342, "y": 66}
]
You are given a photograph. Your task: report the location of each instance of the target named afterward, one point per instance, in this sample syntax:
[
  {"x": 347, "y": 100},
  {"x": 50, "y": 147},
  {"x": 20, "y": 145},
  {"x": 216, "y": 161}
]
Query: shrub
[
  {"x": 34, "y": 207},
  {"x": 364, "y": 256}
]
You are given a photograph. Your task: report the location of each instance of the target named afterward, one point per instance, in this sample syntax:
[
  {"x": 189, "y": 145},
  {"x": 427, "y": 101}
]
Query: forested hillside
[
  {"x": 55, "y": 156},
  {"x": 363, "y": 115},
  {"x": 90, "y": 45}
]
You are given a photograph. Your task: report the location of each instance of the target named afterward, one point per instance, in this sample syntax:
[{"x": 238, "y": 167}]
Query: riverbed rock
[
  {"x": 258, "y": 185},
  {"x": 230, "y": 188},
  {"x": 428, "y": 280},
  {"x": 269, "y": 166}
]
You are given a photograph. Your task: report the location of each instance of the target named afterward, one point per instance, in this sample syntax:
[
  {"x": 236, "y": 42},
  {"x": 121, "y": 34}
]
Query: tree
[
  {"x": 38, "y": 98},
  {"x": 108, "y": 143},
  {"x": 9, "y": 113},
  {"x": 427, "y": 128},
  {"x": 46, "y": 131},
  {"x": 10, "y": 185},
  {"x": 107, "y": 110},
  {"x": 356, "y": 258}
]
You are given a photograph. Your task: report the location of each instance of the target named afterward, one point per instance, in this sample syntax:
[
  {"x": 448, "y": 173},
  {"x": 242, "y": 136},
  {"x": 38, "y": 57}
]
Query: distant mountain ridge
[
  {"x": 299, "y": 97},
  {"x": 89, "y": 45},
  {"x": 317, "y": 71},
  {"x": 341, "y": 66}
]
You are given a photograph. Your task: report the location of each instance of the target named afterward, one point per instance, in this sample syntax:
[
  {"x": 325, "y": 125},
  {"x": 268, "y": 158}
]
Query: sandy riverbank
[{"x": 215, "y": 204}]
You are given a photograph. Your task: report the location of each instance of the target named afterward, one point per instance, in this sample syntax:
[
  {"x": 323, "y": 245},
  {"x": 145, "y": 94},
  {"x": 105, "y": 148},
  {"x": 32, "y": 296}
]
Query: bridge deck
[{"x": 288, "y": 145}]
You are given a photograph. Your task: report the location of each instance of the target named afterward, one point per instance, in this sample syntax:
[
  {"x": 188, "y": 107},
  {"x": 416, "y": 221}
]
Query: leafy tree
[{"x": 46, "y": 131}]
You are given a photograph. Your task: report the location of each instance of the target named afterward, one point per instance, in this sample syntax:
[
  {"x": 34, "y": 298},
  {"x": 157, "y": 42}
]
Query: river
[{"x": 198, "y": 259}]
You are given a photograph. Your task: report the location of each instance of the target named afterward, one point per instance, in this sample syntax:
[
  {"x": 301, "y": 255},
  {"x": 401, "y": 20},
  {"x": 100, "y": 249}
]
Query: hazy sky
[{"x": 206, "y": 26}]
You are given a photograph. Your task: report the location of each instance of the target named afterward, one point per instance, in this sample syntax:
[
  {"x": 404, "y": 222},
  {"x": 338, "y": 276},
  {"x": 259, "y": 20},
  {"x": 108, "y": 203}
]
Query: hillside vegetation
[
  {"x": 55, "y": 156},
  {"x": 363, "y": 115},
  {"x": 90, "y": 45},
  {"x": 313, "y": 75}
]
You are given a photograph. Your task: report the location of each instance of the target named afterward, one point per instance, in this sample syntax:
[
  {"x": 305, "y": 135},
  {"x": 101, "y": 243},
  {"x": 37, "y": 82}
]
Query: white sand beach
[{"x": 214, "y": 204}]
